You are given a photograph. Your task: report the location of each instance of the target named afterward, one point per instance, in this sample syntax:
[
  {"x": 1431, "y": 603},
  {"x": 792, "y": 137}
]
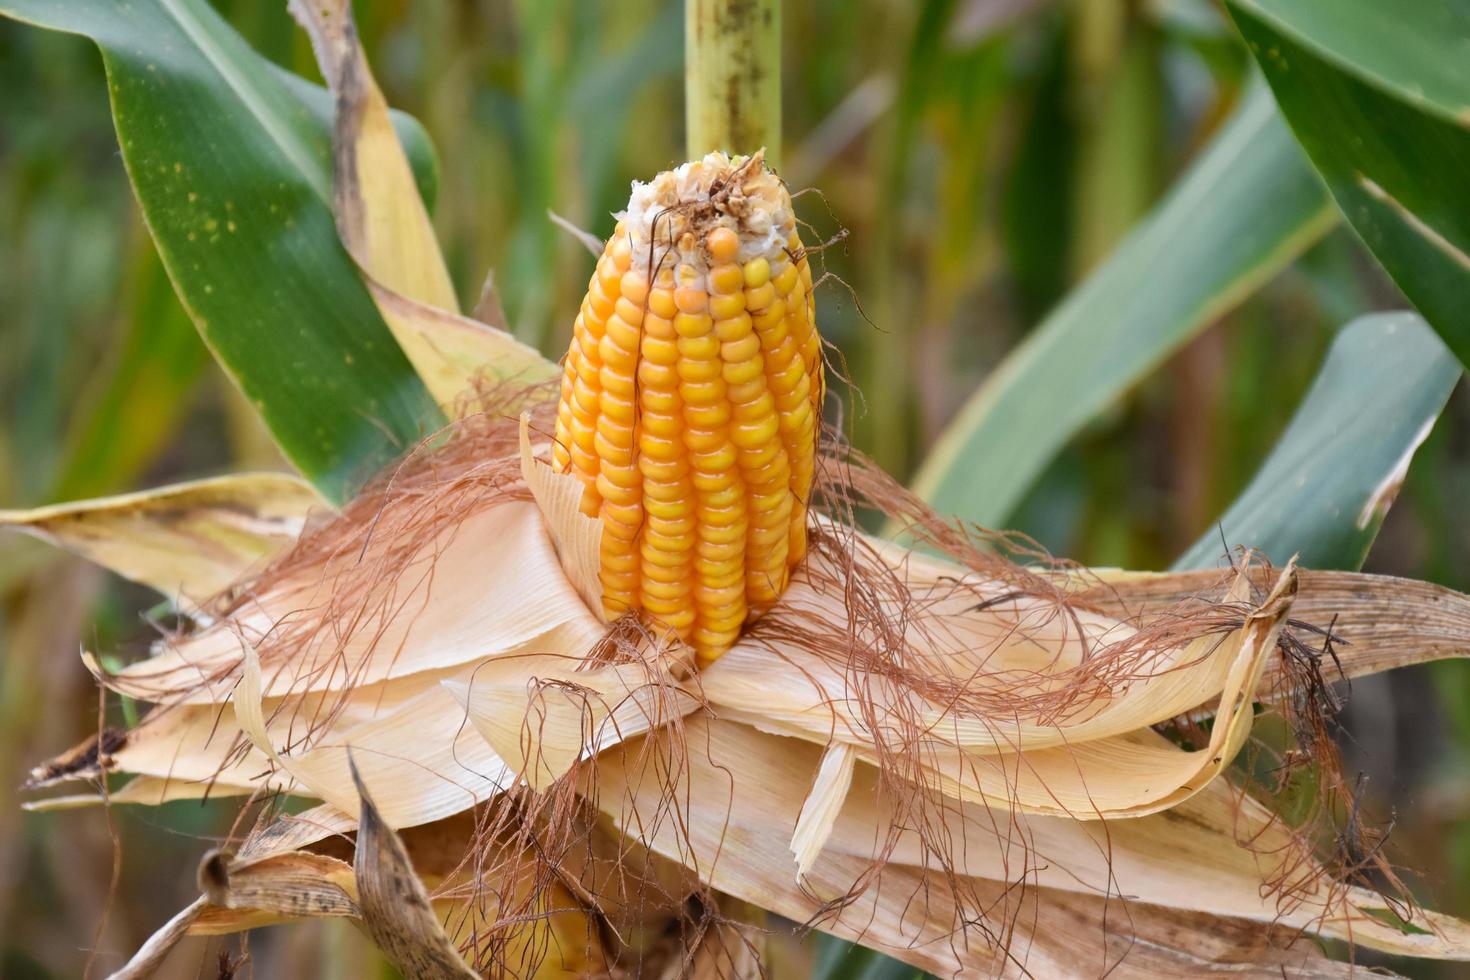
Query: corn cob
[{"x": 691, "y": 400}]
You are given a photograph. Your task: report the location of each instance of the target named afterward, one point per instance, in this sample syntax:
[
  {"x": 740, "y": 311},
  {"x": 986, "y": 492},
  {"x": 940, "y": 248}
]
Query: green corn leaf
[
  {"x": 232, "y": 167},
  {"x": 1324, "y": 489},
  {"x": 1246, "y": 208},
  {"x": 1379, "y": 96}
]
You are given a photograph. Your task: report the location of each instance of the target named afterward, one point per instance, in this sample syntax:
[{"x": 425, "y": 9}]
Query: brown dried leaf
[
  {"x": 395, "y": 906},
  {"x": 544, "y": 719},
  {"x": 291, "y": 831},
  {"x": 1102, "y": 764},
  {"x": 292, "y": 884},
  {"x": 450, "y": 770},
  {"x": 488, "y": 586},
  {"x": 1383, "y": 622}
]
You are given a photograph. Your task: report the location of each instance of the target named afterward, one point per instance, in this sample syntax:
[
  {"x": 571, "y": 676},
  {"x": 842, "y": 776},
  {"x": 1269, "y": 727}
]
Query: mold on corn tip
[{"x": 671, "y": 216}]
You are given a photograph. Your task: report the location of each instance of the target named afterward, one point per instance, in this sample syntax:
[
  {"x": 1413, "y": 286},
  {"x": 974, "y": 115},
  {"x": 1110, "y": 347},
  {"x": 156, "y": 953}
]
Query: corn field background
[{"x": 976, "y": 162}]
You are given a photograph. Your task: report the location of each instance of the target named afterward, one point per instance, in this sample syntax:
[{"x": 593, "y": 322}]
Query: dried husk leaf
[
  {"x": 395, "y": 907},
  {"x": 1096, "y": 764},
  {"x": 248, "y": 891},
  {"x": 553, "y": 943},
  {"x": 578, "y": 537},
  {"x": 421, "y": 753},
  {"x": 190, "y": 751},
  {"x": 288, "y": 886},
  {"x": 541, "y": 724},
  {"x": 1381, "y": 622},
  {"x": 745, "y": 791},
  {"x": 492, "y": 585},
  {"x": 141, "y": 791},
  {"x": 189, "y": 541},
  {"x": 1078, "y": 935},
  {"x": 200, "y": 750},
  {"x": 151, "y": 954},
  {"x": 823, "y": 804},
  {"x": 193, "y": 751},
  {"x": 290, "y": 832},
  {"x": 1007, "y": 648}
]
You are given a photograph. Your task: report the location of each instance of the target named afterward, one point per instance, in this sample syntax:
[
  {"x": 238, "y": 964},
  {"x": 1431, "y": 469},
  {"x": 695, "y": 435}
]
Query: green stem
[{"x": 732, "y": 76}]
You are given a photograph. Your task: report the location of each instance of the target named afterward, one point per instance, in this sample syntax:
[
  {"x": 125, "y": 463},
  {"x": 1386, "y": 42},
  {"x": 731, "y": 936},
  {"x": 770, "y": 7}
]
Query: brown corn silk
[{"x": 691, "y": 400}]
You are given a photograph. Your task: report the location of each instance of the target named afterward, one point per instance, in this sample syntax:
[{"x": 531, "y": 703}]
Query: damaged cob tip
[{"x": 691, "y": 400}]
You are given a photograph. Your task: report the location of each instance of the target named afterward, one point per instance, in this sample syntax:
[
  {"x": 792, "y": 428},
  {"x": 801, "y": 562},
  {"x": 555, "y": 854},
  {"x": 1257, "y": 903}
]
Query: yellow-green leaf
[{"x": 386, "y": 228}]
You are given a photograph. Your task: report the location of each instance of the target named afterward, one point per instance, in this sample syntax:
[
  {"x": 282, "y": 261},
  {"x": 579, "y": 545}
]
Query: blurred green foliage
[{"x": 982, "y": 157}]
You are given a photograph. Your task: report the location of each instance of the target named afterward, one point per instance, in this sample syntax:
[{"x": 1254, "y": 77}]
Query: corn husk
[
  {"x": 385, "y": 887},
  {"x": 395, "y": 905},
  {"x": 506, "y": 592},
  {"x": 1187, "y": 858},
  {"x": 821, "y": 784},
  {"x": 541, "y": 724}
]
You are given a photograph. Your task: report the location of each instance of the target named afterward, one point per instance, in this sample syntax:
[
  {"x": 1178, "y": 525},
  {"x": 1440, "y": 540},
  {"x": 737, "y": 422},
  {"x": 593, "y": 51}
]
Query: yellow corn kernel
[
  {"x": 725, "y": 307},
  {"x": 726, "y": 279},
  {"x": 690, "y": 399}
]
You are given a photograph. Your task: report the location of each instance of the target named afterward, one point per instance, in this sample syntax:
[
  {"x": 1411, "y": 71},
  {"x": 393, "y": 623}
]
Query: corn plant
[{"x": 623, "y": 662}]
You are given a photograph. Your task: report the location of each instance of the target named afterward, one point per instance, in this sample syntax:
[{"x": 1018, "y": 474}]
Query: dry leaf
[
  {"x": 819, "y": 810},
  {"x": 744, "y": 792},
  {"x": 380, "y": 215},
  {"x": 545, "y": 718},
  {"x": 395, "y": 906},
  {"x": 489, "y": 586},
  {"x": 1382, "y": 622},
  {"x": 287, "y": 886},
  {"x": 188, "y": 540}
]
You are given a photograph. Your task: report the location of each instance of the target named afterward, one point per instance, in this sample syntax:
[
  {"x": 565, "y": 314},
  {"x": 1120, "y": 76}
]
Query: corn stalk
[{"x": 732, "y": 77}]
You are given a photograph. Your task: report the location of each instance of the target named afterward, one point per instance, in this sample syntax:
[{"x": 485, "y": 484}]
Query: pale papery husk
[{"x": 955, "y": 724}]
